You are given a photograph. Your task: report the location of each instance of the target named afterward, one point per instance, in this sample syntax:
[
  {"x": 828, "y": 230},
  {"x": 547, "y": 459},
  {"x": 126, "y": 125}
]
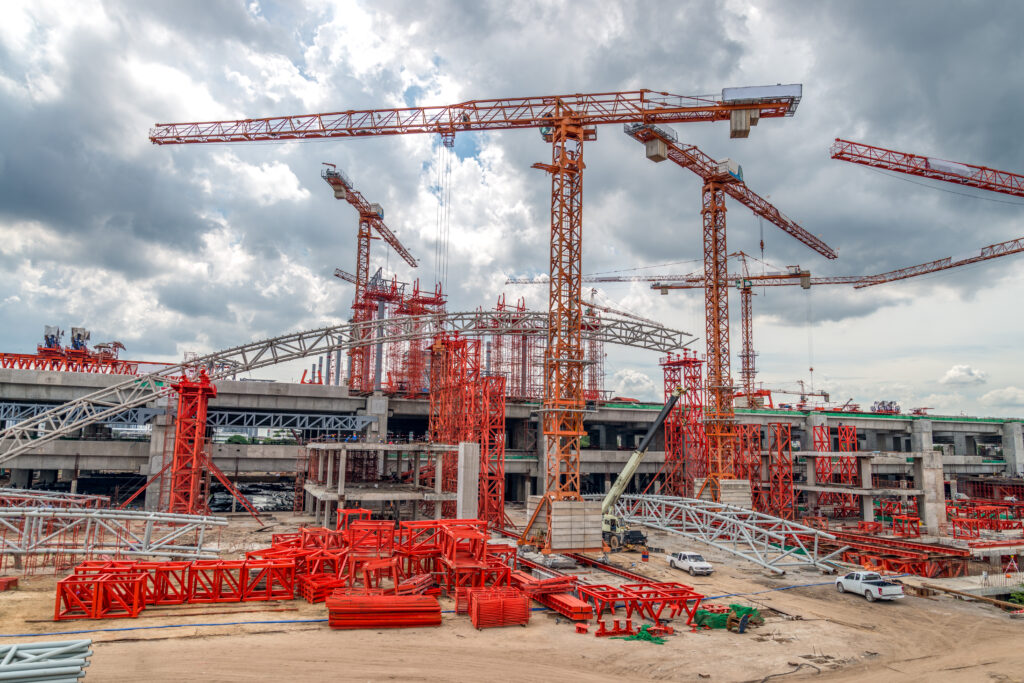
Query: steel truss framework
[
  {"x": 102, "y": 405},
  {"x": 59, "y": 536},
  {"x": 21, "y": 498},
  {"x": 769, "y": 541},
  {"x": 216, "y": 417}
]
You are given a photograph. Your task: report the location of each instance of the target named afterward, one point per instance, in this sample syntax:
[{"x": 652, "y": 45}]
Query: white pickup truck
[
  {"x": 691, "y": 562},
  {"x": 870, "y": 585}
]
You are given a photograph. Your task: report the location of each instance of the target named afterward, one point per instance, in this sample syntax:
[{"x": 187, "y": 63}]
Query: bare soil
[{"x": 810, "y": 632}]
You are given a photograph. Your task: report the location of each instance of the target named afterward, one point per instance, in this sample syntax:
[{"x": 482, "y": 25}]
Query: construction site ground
[{"x": 810, "y": 631}]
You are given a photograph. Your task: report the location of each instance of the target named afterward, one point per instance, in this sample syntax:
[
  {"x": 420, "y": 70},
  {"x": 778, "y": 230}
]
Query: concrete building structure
[{"x": 921, "y": 454}]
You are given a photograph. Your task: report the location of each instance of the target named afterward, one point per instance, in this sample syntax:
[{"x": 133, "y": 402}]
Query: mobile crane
[{"x": 613, "y": 532}]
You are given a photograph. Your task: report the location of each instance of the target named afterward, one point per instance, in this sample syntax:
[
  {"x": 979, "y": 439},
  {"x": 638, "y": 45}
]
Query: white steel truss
[
  {"x": 85, "y": 533},
  {"x": 771, "y": 542},
  {"x": 134, "y": 391},
  {"x": 24, "y": 498}
]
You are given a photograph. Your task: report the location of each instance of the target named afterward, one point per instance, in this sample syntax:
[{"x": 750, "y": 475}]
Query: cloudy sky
[{"x": 174, "y": 249}]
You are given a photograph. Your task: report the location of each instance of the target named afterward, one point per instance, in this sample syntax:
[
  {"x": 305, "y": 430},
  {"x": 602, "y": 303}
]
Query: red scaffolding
[
  {"x": 693, "y": 413},
  {"x": 846, "y": 504},
  {"x": 781, "y": 501}
]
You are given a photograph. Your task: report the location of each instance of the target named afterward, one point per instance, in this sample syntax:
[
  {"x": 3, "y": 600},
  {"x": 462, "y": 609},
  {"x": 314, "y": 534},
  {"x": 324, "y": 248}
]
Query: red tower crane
[
  {"x": 720, "y": 179},
  {"x": 566, "y": 121},
  {"x": 371, "y": 219},
  {"x": 929, "y": 167}
]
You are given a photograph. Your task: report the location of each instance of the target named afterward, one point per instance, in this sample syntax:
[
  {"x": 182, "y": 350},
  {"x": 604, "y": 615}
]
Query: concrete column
[
  {"x": 468, "y": 490},
  {"x": 812, "y": 479},
  {"x": 602, "y": 436},
  {"x": 379, "y": 361},
  {"x": 438, "y": 464},
  {"x": 542, "y": 462},
  {"x": 162, "y": 431},
  {"x": 377, "y": 406},
  {"x": 960, "y": 444},
  {"x": 928, "y": 477},
  {"x": 342, "y": 467},
  {"x": 47, "y": 477},
  {"x": 867, "y": 503},
  {"x": 21, "y": 478},
  {"x": 607, "y": 482},
  {"x": 871, "y": 440},
  {"x": 1013, "y": 449},
  {"x": 329, "y": 457}
]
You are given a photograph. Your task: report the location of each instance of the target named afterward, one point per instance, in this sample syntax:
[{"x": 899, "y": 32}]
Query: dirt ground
[{"x": 810, "y": 632}]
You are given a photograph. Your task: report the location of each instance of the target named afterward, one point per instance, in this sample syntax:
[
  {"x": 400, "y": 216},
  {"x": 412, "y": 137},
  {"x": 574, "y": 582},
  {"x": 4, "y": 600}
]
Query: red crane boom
[
  {"x": 990, "y": 252},
  {"x": 645, "y": 106},
  {"x": 929, "y": 167}
]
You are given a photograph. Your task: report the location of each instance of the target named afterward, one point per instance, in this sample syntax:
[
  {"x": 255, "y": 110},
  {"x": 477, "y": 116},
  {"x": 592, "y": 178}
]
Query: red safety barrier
[
  {"x": 382, "y": 611},
  {"x": 8, "y": 582}
]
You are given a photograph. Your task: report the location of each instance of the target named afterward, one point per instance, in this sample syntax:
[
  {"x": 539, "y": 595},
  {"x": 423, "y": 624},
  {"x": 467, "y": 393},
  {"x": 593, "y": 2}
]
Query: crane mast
[
  {"x": 720, "y": 178},
  {"x": 566, "y": 122},
  {"x": 371, "y": 219}
]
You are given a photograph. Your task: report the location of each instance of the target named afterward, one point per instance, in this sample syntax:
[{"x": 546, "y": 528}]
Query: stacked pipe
[
  {"x": 382, "y": 611},
  {"x": 54, "y": 662}
]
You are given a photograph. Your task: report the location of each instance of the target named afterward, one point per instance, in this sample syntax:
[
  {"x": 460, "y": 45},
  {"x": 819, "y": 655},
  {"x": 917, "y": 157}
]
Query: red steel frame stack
[
  {"x": 107, "y": 589},
  {"x": 781, "y": 499}
]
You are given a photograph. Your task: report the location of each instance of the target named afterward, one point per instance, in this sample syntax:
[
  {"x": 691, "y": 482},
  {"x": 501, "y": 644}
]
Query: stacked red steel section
[{"x": 648, "y": 600}]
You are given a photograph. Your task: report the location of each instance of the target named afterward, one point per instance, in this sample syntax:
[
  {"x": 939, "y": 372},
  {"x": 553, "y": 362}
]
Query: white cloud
[
  {"x": 267, "y": 183},
  {"x": 1011, "y": 397},
  {"x": 631, "y": 383},
  {"x": 964, "y": 374}
]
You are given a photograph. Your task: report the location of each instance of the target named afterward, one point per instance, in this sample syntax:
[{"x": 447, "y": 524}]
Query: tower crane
[
  {"x": 720, "y": 178},
  {"x": 955, "y": 172},
  {"x": 929, "y": 167},
  {"x": 566, "y": 122},
  {"x": 371, "y": 220}
]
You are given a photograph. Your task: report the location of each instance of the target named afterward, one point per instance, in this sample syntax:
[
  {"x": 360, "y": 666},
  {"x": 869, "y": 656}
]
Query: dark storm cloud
[{"x": 904, "y": 75}]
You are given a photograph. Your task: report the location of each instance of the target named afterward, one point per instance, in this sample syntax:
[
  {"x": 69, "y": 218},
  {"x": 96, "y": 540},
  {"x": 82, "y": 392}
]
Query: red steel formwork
[
  {"x": 466, "y": 406},
  {"x": 675, "y": 478},
  {"x": 492, "y": 450},
  {"x": 693, "y": 414},
  {"x": 847, "y": 504},
  {"x": 648, "y": 600},
  {"x": 748, "y": 451},
  {"x": 781, "y": 499},
  {"x": 822, "y": 465},
  {"x": 189, "y": 477},
  {"x": 185, "y": 481}
]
